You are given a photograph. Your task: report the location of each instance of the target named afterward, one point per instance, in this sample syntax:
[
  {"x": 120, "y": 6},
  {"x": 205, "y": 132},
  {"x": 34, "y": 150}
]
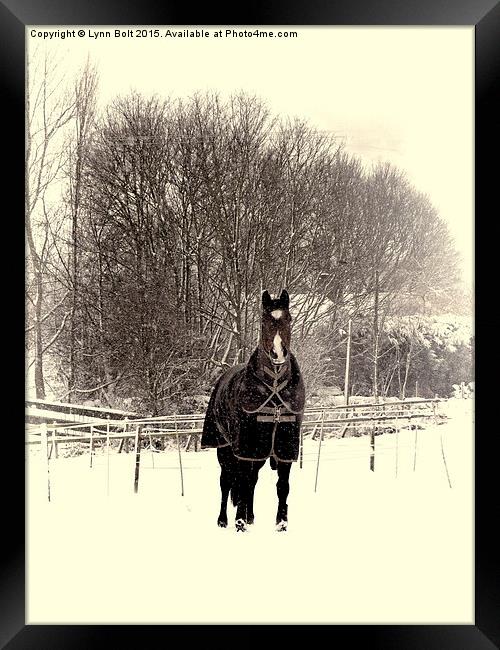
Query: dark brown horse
[{"x": 255, "y": 413}]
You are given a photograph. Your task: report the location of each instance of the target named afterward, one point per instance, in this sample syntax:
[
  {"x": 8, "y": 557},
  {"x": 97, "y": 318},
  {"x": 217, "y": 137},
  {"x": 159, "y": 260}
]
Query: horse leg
[
  {"x": 226, "y": 462},
  {"x": 256, "y": 466},
  {"x": 243, "y": 494},
  {"x": 282, "y": 488},
  {"x": 225, "y": 486}
]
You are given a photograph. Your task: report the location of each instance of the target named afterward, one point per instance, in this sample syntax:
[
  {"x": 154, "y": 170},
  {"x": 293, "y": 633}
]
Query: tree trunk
[
  {"x": 39, "y": 379},
  {"x": 347, "y": 364},
  {"x": 84, "y": 106},
  {"x": 376, "y": 337},
  {"x": 37, "y": 270},
  {"x": 74, "y": 278},
  {"x": 407, "y": 370}
]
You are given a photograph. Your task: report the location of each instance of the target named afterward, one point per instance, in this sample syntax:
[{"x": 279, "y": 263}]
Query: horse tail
[{"x": 273, "y": 463}]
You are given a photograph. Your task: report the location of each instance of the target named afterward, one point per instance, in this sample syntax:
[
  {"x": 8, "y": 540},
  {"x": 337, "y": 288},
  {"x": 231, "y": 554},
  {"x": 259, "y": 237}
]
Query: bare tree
[
  {"x": 401, "y": 233},
  {"x": 85, "y": 94},
  {"x": 182, "y": 212},
  {"x": 48, "y": 111}
]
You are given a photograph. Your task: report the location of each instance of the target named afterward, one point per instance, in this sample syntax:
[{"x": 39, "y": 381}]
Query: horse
[{"x": 255, "y": 412}]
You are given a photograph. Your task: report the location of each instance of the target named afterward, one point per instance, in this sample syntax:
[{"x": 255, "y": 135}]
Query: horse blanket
[{"x": 257, "y": 409}]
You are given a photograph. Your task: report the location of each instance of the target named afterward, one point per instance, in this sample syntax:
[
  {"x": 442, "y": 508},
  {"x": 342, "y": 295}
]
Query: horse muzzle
[{"x": 275, "y": 360}]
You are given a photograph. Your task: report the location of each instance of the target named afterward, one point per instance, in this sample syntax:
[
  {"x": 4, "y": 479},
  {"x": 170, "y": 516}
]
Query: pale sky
[{"x": 401, "y": 94}]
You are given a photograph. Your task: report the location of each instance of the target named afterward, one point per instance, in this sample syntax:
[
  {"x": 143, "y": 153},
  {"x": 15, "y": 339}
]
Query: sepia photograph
[{"x": 249, "y": 335}]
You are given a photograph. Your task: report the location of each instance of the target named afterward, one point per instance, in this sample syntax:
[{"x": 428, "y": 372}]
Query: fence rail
[
  {"x": 45, "y": 410},
  {"x": 321, "y": 421},
  {"x": 326, "y": 418}
]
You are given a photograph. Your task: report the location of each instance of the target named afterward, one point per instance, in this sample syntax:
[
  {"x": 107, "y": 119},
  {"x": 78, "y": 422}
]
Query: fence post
[
  {"x": 91, "y": 442},
  {"x": 397, "y": 444},
  {"x": 126, "y": 439},
  {"x": 151, "y": 448},
  {"x": 442, "y": 444},
  {"x": 301, "y": 447},
  {"x": 54, "y": 443},
  {"x": 415, "y": 444},
  {"x": 319, "y": 448},
  {"x": 45, "y": 454},
  {"x": 137, "y": 447},
  {"x": 180, "y": 458},
  {"x": 50, "y": 447},
  {"x": 372, "y": 449},
  {"x": 122, "y": 441},
  {"x": 107, "y": 457}
]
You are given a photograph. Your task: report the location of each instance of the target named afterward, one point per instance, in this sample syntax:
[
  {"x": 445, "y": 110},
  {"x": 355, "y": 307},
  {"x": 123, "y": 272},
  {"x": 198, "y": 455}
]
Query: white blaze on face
[
  {"x": 277, "y": 313},
  {"x": 278, "y": 348}
]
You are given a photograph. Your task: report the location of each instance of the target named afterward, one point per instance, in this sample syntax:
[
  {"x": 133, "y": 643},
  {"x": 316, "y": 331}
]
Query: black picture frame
[{"x": 485, "y": 16}]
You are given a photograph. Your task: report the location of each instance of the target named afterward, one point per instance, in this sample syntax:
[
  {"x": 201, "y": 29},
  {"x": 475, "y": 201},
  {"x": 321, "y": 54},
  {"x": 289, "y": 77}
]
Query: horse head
[{"x": 276, "y": 327}]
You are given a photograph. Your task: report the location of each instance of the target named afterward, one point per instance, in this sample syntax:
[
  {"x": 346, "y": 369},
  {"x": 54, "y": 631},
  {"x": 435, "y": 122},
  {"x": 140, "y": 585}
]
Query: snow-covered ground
[{"x": 366, "y": 547}]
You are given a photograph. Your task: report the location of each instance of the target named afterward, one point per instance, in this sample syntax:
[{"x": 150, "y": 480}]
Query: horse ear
[
  {"x": 285, "y": 299},
  {"x": 266, "y": 300}
]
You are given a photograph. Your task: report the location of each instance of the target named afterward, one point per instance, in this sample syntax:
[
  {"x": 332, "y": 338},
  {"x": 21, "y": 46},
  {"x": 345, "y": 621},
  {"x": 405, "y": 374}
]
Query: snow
[{"x": 366, "y": 547}]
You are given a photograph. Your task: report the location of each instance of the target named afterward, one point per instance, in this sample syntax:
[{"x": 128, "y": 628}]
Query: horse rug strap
[
  {"x": 276, "y": 415},
  {"x": 276, "y": 409}
]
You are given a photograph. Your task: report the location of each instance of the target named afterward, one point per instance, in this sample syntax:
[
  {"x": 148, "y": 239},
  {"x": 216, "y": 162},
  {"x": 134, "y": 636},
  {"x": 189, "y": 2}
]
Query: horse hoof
[
  {"x": 221, "y": 523},
  {"x": 281, "y": 526},
  {"x": 240, "y": 525}
]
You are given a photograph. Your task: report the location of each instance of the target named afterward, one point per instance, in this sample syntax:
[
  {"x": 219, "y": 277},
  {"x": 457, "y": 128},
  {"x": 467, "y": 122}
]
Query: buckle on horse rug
[
  {"x": 270, "y": 418},
  {"x": 276, "y": 416}
]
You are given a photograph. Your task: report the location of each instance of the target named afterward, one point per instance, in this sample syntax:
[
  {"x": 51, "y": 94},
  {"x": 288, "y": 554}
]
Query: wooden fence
[
  {"x": 39, "y": 410},
  {"x": 319, "y": 422}
]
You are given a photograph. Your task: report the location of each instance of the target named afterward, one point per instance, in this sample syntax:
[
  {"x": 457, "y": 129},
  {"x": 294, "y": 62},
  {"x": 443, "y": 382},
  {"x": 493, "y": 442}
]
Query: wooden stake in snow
[
  {"x": 45, "y": 454},
  {"x": 442, "y": 444},
  {"x": 91, "y": 443},
  {"x": 137, "y": 448},
  {"x": 151, "y": 449},
  {"x": 301, "y": 447},
  {"x": 52, "y": 436},
  {"x": 372, "y": 449},
  {"x": 107, "y": 457},
  {"x": 122, "y": 442},
  {"x": 444, "y": 461},
  {"x": 180, "y": 458},
  {"x": 54, "y": 448},
  {"x": 346, "y": 426},
  {"x": 397, "y": 444},
  {"x": 319, "y": 448},
  {"x": 415, "y": 444}
]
